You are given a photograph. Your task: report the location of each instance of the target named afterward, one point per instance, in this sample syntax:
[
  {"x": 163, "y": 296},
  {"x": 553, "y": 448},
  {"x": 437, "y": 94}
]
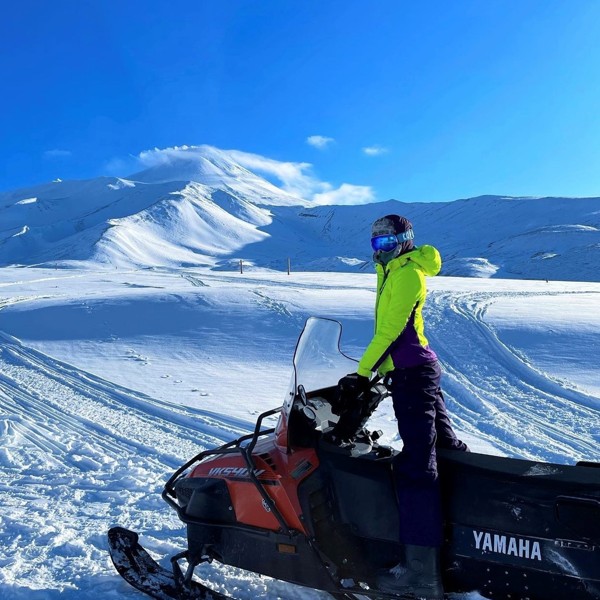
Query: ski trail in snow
[{"x": 494, "y": 392}]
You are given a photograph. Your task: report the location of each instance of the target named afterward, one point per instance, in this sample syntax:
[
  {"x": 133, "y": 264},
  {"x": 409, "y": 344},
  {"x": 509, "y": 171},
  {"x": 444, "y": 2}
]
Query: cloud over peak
[{"x": 295, "y": 178}]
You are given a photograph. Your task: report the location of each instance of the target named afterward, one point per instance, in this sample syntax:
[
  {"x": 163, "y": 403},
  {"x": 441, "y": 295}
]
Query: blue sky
[{"x": 453, "y": 99}]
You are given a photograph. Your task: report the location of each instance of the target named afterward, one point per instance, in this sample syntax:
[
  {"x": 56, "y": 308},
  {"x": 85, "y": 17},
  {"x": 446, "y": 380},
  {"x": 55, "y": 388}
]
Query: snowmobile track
[
  {"x": 500, "y": 395},
  {"x": 48, "y": 391}
]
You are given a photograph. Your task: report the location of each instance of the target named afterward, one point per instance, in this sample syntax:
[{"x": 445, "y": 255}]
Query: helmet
[{"x": 391, "y": 236}]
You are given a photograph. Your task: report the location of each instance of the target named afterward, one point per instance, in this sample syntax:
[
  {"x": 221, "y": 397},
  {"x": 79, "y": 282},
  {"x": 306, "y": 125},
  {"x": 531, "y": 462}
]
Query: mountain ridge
[{"x": 156, "y": 217}]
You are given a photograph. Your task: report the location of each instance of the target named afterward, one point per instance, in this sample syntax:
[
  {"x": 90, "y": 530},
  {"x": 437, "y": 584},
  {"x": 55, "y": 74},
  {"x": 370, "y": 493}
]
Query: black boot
[{"x": 420, "y": 575}]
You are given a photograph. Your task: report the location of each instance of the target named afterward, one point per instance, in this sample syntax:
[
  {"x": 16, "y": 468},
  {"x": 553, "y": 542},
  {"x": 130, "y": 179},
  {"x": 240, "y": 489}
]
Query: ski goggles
[{"x": 390, "y": 241}]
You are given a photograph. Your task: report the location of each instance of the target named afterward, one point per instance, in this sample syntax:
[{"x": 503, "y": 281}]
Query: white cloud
[
  {"x": 375, "y": 150},
  {"x": 56, "y": 153},
  {"x": 165, "y": 156},
  {"x": 346, "y": 194},
  {"x": 121, "y": 166},
  {"x": 296, "y": 178},
  {"x": 319, "y": 141}
]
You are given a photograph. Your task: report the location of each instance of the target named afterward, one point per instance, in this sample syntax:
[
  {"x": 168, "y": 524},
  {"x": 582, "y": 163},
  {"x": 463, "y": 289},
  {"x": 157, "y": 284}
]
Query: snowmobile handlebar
[{"x": 355, "y": 410}]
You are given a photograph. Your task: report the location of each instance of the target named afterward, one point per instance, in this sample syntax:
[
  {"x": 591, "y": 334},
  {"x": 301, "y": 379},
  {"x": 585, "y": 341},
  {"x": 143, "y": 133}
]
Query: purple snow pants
[{"x": 423, "y": 425}]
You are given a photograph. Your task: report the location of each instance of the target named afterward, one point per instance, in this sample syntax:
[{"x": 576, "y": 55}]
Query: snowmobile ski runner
[
  {"x": 312, "y": 501},
  {"x": 140, "y": 570}
]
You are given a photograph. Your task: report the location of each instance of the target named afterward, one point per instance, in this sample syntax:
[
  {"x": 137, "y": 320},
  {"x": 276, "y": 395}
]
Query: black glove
[
  {"x": 351, "y": 405},
  {"x": 348, "y": 390},
  {"x": 352, "y": 386}
]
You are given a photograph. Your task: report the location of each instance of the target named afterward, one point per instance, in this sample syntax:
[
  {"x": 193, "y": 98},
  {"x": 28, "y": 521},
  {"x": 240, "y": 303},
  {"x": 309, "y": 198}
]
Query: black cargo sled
[{"x": 311, "y": 501}]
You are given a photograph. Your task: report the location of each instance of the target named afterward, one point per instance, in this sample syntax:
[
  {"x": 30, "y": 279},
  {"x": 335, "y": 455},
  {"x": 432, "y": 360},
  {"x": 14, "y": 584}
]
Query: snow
[
  {"x": 129, "y": 341},
  {"x": 111, "y": 378},
  {"x": 120, "y": 184}
]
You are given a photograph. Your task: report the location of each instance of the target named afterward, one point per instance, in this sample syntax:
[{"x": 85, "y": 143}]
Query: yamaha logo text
[{"x": 510, "y": 546}]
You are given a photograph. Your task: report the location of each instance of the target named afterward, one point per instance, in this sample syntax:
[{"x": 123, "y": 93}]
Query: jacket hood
[{"x": 427, "y": 257}]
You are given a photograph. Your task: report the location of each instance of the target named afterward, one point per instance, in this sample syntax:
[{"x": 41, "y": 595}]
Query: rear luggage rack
[{"x": 234, "y": 447}]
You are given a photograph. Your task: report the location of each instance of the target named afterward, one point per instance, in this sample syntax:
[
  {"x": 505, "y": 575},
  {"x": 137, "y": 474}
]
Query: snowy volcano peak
[
  {"x": 214, "y": 168},
  {"x": 201, "y": 164}
]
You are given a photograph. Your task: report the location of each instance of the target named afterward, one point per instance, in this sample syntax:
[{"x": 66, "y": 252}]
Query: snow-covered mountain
[{"x": 196, "y": 206}]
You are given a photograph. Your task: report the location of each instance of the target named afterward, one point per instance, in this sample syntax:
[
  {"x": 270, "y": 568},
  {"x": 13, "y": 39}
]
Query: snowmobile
[{"x": 311, "y": 501}]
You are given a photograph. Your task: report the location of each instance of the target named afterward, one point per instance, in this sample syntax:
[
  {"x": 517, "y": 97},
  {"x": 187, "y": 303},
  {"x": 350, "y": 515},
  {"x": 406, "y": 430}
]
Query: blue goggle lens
[
  {"x": 389, "y": 242},
  {"x": 384, "y": 242}
]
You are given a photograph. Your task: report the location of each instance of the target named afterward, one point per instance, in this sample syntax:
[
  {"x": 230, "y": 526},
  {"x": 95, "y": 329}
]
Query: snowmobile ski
[{"x": 141, "y": 571}]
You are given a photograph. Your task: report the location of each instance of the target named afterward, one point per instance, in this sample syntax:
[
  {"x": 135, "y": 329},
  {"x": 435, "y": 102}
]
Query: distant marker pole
[
  {"x": 241, "y": 267},
  {"x": 289, "y": 266}
]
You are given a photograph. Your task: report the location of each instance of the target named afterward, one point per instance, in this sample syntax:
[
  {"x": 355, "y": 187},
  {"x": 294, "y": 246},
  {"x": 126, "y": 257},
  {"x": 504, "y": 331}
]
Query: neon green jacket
[{"x": 399, "y": 329}]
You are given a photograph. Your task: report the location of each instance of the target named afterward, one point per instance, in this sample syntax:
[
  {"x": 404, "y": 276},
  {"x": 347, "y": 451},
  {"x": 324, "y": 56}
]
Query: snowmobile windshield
[{"x": 318, "y": 361}]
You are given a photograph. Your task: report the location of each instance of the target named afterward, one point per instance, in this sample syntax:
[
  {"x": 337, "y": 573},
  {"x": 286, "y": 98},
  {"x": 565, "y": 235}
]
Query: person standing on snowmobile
[{"x": 400, "y": 351}]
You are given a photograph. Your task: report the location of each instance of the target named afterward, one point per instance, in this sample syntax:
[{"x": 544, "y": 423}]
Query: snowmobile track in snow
[
  {"x": 46, "y": 391},
  {"x": 496, "y": 393}
]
